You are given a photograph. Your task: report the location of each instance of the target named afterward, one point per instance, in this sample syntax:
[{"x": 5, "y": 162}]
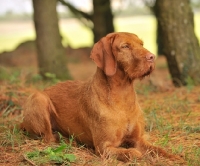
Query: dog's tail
[{"x": 38, "y": 115}]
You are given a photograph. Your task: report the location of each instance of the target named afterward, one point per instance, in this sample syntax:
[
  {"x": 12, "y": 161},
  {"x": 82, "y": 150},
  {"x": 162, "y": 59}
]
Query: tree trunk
[
  {"x": 102, "y": 19},
  {"x": 51, "y": 53},
  {"x": 180, "y": 45},
  {"x": 158, "y": 29}
]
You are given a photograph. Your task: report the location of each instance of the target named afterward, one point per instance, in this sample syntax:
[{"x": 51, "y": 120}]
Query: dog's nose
[{"x": 150, "y": 57}]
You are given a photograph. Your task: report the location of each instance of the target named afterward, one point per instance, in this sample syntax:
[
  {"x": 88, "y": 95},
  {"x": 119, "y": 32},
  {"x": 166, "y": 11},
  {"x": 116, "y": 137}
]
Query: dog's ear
[{"x": 103, "y": 56}]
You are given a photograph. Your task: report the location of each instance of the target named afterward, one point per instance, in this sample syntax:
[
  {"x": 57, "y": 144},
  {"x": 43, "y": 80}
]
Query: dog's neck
[
  {"x": 116, "y": 85},
  {"x": 119, "y": 80}
]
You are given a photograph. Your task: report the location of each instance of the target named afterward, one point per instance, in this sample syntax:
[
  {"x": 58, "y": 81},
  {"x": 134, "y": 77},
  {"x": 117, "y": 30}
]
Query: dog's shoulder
[
  {"x": 67, "y": 88},
  {"x": 65, "y": 85}
]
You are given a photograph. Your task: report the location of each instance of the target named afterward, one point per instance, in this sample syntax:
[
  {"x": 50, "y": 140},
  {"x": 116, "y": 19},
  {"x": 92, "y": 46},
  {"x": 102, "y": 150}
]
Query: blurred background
[
  {"x": 43, "y": 42},
  {"x": 33, "y": 34}
]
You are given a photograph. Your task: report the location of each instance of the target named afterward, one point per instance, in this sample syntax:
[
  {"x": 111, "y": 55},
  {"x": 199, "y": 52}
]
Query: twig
[{"x": 29, "y": 161}]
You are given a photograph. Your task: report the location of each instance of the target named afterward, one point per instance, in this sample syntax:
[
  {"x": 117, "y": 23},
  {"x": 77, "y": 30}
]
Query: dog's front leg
[
  {"x": 146, "y": 148},
  {"x": 109, "y": 150}
]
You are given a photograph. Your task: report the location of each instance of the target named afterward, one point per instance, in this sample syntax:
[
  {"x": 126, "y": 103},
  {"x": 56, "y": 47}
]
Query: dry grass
[{"x": 172, "y": 117}]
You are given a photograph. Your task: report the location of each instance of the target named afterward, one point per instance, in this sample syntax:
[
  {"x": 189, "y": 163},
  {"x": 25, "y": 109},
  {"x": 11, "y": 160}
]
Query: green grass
[
  {"x": 54, "y": 155},
  {"x": 11, "y": 137},
  {"x": 76, "y": 35}
]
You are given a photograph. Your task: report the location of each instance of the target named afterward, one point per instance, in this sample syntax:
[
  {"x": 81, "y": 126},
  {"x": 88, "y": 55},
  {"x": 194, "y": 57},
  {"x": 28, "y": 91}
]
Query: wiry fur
[{"x": 102, "y": 112}]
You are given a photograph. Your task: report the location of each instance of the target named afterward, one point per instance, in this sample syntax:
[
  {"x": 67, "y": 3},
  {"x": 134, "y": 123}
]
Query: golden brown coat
[{"x": 102, "y": 112}]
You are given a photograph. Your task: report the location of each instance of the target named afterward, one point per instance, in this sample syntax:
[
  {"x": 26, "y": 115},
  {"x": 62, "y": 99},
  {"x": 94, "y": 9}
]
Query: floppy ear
[{"x": 103, "y": 56}]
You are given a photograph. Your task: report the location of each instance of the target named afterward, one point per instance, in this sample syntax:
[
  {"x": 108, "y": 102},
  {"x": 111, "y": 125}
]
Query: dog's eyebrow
[{"x": 125, "y": 43}]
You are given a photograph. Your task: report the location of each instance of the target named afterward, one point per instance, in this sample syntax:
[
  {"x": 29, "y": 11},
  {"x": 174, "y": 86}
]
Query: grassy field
[
  {"x": 172, "y": 115},
  {"x": 172, "y": 121},
  {"x": 75, "y": 34}
]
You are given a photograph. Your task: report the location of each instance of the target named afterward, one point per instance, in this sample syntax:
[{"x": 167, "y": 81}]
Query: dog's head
[{"x": 123, "y": 51}]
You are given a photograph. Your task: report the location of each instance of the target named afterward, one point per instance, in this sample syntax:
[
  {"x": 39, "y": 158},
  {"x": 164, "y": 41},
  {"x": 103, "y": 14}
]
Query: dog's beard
[
  {"x": 144, "y": 74},
  {"x": 148, "y": 72},
  {"x": 136, "y": 72},
  {"x": 132, "y": 77}
]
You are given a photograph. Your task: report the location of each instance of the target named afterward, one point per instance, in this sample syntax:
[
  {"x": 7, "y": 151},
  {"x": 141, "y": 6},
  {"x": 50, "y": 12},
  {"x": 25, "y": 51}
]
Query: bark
[
  {"x": 51, "y": 53},
  {"x": 102, "y": 19},
  {"x": 179, "y": 43}
]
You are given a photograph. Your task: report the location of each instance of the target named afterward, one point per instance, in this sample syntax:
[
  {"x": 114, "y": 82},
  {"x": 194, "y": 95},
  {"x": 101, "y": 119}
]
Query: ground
[{"x": 172, "y": 116}]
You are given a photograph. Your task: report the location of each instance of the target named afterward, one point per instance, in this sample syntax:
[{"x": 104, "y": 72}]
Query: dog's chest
[
  {"x": 125, "y": 123},
  {"x": 129, "y": 127},
  {"x": 130, "y": 120}
]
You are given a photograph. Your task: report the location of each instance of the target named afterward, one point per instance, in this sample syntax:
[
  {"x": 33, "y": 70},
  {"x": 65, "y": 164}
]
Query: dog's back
[{"x": 70, "y": 100}]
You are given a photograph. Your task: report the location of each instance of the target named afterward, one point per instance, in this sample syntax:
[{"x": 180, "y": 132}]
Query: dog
[{"x": 103, "y": 112}]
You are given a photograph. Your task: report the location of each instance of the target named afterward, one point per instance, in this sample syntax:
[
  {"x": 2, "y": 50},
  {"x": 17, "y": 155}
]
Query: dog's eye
[{"x": 125, "y": 46}]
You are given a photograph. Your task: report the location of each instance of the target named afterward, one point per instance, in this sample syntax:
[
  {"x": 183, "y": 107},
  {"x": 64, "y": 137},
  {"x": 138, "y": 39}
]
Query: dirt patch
[{"x": 25, "y": 55}]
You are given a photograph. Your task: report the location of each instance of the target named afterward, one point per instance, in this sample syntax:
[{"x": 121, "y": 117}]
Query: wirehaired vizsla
[{"x": 102, "y": 112}]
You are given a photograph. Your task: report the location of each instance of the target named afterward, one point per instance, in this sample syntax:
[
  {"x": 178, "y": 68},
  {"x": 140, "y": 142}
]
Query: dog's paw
[
  {"x": 133, "y": 154},
  {"x": 177, "y": 159}
]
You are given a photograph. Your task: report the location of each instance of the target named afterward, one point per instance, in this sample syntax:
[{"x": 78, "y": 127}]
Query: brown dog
[{"x": 103, "y": 112}]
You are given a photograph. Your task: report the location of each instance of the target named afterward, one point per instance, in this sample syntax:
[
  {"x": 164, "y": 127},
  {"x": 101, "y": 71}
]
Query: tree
[
  {"x": 51, "y": 53},
  {"x": 100, "y": 21},
  {"x": 180, "y": 45}
]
